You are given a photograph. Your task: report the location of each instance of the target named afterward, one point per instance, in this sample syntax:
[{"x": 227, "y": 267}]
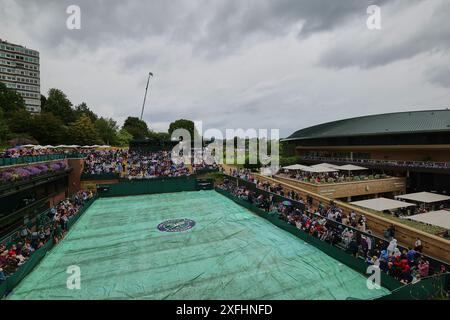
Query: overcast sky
[{"x": 284, "y": 64}]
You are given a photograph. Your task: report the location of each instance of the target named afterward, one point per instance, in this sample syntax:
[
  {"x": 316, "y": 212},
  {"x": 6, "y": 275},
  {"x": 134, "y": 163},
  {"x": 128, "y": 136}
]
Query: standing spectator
[
  {"x": 2, "y": 276},
  {"x": 392, "y": 246},
  {"x": 418, "y": 245}
]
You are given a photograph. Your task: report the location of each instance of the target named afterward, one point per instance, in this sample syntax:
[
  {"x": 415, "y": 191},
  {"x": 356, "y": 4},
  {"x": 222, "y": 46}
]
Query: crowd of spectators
[
  {"x": 200, "y": 160},
  {"x": 392, "y": 163},
  {"x": 329, "y": 177},
  {"x": 25, "y": 152},
  {"x": 28, "y": 240},
  {"x": 328, "y": 223},
  {"x": 133, "y": 165}
]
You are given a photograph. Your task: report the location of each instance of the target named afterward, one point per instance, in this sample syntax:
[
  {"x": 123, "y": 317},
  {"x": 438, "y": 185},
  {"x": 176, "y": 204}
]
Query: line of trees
[{"x": 60, "y": 122}]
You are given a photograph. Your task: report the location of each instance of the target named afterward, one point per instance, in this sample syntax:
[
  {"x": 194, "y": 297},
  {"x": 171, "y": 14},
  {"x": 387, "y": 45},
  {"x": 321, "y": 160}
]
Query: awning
[
  {"x": 424, "y": 197},
  {"x": 296, "y": 167},
  {"x": 381, "y": 204},
  {"x": 326, "y": 165},
  {"x": 440, "y": 218},
  {"x": 350, "y": 167},
  {"x": 320, "y": 169}
]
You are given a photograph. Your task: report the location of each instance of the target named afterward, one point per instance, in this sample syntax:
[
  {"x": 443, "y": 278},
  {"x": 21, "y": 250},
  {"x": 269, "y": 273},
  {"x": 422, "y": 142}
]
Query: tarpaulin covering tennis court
[{"x": 229, "y": 253}]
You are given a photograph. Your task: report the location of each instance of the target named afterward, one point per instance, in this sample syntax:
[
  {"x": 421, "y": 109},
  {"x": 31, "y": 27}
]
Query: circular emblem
[{"x": 176, "y": 225}]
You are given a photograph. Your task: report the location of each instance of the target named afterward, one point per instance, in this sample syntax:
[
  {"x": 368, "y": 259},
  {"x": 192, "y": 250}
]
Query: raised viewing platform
[
  {"x": 420, "y": 166},
  {"x": 5, "y": 162},
  {"x": 345, "y": 189}
]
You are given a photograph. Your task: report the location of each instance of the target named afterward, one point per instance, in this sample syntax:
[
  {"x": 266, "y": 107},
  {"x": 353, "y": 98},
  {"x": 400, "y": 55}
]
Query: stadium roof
[{"x": 387, "y": 123}]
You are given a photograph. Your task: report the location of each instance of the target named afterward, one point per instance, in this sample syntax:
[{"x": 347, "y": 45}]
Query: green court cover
[{"x": 134, "y": 248}]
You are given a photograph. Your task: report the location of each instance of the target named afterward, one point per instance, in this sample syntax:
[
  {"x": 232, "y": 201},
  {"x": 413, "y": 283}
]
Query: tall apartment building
[{"x": 19, "y": 70}]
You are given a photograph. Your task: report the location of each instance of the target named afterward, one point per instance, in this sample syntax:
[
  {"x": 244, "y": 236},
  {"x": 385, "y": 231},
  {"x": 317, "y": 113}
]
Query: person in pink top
[{"x": 424, "y": 268}]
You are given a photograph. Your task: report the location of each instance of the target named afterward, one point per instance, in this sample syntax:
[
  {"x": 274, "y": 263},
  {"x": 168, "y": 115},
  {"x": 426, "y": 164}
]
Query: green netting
[{"x": 229, "y": 254}]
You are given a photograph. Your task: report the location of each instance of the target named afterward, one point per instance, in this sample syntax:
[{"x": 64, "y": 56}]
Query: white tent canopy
[
  {"x": 296, "y": 167},
  {"x": 350, "y": 167},
  {"x": 424, "y": 197},
  {"x": 381, "y": 204},
  {"x": 326, "y": 165},
  {"x": 440, "y": 218},
  {"x": 320, "y": 169}
]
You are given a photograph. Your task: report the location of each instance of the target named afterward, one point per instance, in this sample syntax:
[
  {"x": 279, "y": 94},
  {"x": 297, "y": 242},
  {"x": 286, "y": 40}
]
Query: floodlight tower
[{"x": 145, "y": 96}]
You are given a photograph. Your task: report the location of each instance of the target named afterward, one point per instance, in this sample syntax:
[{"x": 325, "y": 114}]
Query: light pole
[{"x": 145, "y": 96}]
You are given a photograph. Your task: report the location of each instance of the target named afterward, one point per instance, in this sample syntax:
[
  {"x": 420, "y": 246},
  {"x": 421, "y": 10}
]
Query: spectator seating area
[
  {"x": 133, "y": 165},
  {"x": 391, "y": 163},
  {"x": 16, "y": 249},
  {"x": 329, "y": 173}
]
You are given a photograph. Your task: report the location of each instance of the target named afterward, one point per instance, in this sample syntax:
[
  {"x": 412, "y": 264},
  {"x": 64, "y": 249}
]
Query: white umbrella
[
  {"x": 326, "y": 165},
  {"x": 351, "y": 167},
  {"x": 296, "y": 167},
  {"x": 28, "y": 146},
  {"x": 320, "y": 169}
]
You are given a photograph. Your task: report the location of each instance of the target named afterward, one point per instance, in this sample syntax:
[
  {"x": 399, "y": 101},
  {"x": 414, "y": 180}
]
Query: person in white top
[{"x": 418, "y": 245}]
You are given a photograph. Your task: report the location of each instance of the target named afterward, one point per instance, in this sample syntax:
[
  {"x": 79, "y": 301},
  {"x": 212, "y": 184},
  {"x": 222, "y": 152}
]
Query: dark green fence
[
  {"x": 434, "y": 287},
  {"x": 36, "y": 257},
  {"x": 99, "y": 176},
  {"x": 148, "y": 186}
]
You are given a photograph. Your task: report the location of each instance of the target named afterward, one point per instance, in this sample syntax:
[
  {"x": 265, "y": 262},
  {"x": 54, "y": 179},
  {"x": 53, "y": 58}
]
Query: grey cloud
[
  {"x": 374, "y": 50},
  {"x": 439, "y": 76},
  {"x": 210, "y": 26}
]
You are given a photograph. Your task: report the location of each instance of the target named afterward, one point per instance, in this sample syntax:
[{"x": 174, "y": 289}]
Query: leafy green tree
[
  {"x": 58, "y": 104},
  {"x": 83, "y": 109},
  {"x": 83, "y": 132},
  {"x": 10, "y": 100},
  {"x": 162, "y": 136},
  {"x": 19, "y": 122},
  {"x": 136, "y": 127},
  {"x": 123, "y": 138},
  {"x": 183, "y": 124},
  {"x": 107, "y": 129},
  {"x": 48, "y": 129},
  {"x": 4, "y": 130}
]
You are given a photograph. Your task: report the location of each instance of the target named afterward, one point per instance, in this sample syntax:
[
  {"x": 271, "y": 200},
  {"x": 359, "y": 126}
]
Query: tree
[
  {"x": 107, "y": 130},
  {"x": 83, "y": 109},
  {"x": 48, "y": 129},
  {"x": 123, "y": 138},
  {"x": 136, "y": 127},
  {"x": 161, "y": 136},
  {"x": 83, "y": 132},
  {"x": 58, "y": 104},
  {"x": 183, "y": 124},
  {"x": 19, "y": 122},
  {"x": 10, "y": 101},
  {"x": 4, "y": 130}
]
